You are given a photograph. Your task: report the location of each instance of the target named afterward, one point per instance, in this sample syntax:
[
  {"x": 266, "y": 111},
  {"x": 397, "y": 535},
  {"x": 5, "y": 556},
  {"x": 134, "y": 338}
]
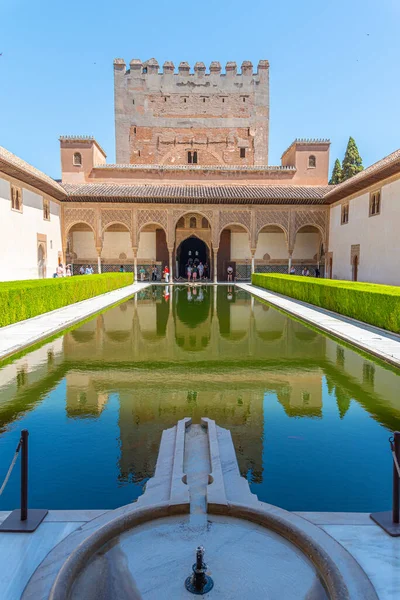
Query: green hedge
[
  {"x": 21, "y": 300},
  {"x": 372, "y": 303}
]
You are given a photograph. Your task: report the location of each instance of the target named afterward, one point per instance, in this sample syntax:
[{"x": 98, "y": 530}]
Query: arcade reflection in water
[{"x": 177, "y": 351}]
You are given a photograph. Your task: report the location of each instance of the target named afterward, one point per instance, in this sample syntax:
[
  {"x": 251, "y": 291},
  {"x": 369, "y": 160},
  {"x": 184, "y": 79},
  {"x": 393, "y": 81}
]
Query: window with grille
[
  {"x": 16, "y": 198},
  {"x": 345, "y": 214},
  {"x": 312, "y": 161},
  {"x": 242, "y": 152},
  {"x": 77, "y": 159},
  {"x": 375, "y": 203},
  {"x": 46, "y": 209}
]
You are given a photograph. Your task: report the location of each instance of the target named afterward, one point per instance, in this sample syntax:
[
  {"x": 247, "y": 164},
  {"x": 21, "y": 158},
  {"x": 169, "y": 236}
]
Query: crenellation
[
  {"x": 231, "y": 68},
  {"x": 215, "y": 67}
]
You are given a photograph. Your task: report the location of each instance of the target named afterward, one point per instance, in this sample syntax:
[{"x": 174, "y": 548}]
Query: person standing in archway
[
  {"x": 201, "y": 270},
  {"x": 189, "y": 272},
  {"x": 166, "y": 274},
  {"x": 230, "y": 273},
  {"x": 194, "y": 273}
]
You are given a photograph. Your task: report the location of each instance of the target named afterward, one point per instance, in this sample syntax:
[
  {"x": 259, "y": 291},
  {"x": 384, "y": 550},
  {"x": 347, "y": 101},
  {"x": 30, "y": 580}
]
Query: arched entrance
[{"x": 192, "y": 249}]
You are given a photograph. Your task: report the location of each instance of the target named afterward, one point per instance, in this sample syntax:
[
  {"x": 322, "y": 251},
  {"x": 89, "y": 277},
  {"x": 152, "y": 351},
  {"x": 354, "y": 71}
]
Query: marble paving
[
  {"x": 18, "y": 336},
  {"x": 21, "y": 553},
  {"x": 382, "y": 344}
]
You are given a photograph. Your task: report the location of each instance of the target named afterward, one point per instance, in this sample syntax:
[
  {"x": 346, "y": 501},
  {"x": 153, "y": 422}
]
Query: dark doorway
[
  {"x": 192, "y": 249},
  {"x": 355, "y": 268}
]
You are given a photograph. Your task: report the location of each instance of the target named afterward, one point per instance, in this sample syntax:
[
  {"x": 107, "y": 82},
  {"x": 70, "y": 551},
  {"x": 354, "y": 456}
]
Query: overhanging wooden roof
[
  {"x": 14, "y": 166},
  {"x": 388, "y": 166}
]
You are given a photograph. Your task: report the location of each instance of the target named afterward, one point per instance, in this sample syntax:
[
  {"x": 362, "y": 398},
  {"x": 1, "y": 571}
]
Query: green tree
[
  {"x": 352, "y": 162},
  {"x": 337, "y": 175}
]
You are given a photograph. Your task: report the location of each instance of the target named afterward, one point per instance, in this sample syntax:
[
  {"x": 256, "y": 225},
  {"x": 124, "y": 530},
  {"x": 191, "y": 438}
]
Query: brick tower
[{"x": 185, "y": 118}]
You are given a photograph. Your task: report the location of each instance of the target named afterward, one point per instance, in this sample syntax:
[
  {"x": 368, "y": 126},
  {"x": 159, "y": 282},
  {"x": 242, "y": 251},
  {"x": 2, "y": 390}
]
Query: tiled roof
[
  {"x": 311, "y": 141},
  {"x": 18, "y": 168},
  {"x": 233, "y": 194},
  {"x": 380, "y": 170}
]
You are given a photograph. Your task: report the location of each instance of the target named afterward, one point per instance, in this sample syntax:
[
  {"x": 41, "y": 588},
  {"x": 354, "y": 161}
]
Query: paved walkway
[
  {"x": 18, "y": 336},
  {"x": 380, "y": 343}
]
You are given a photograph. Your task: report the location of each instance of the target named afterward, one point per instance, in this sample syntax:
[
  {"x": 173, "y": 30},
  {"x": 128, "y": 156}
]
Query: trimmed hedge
[
  {"x": 372, "y": 303},
  {"x": 21, "y": 300}
]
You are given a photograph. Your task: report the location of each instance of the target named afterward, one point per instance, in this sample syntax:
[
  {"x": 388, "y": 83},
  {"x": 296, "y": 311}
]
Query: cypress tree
[
  {"x": 352, "y": 162},
  {"x": 337, "y": 175}
]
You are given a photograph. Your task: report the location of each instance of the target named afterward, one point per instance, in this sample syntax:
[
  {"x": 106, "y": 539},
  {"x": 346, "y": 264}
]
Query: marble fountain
[{"x": 197, "y": 498}]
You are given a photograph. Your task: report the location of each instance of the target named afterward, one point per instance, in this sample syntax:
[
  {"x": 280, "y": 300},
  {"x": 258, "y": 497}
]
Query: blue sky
[{"x": 334, "y": 66}]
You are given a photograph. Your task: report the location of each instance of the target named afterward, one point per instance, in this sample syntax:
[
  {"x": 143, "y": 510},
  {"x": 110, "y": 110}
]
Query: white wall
[
  {"x": 378, "y": 237},
  {"x": 83, "y": 245},
  {"x": 240, "y": 246},
  {"x": 147, "y": 245},
  {"x": 273, "y": 244},
  {"x": 18, "y": 233},
  {"x": 116, "y": 243},
  {"x": 306, "y": 245}
]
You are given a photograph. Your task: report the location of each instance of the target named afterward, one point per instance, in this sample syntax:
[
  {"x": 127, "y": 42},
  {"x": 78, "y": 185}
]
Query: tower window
[
  {"x": 204, "y": 99},
  {"x": 189, "y": 158},
  {"x": 184, "y": 100},
  {"x": 165, "y": 98},
  {"x": 192, "y": 158},
  {"x": 133, "y": 101},
  {"x": 77, "y": 159},
  {"x": 244, "y": 99},
  {"x": 195, "y": 158},
  {"x": 312, "y": 162},
  {"x": 242, "y": 152},
  {"x": 134, "y": 130},
  {"x": 223, "y": 99}
]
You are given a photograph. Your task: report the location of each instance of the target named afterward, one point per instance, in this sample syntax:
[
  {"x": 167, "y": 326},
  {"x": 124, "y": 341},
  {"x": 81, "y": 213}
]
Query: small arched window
[
  {"x": 204, "y": 223},
  {"x": 192, "y": 223},
  {"x": 77, "y": 159},
  {"x": 181, "y": 222},
  {"x": 195, "y": 157},
  {"x": 312, "y": 161}
]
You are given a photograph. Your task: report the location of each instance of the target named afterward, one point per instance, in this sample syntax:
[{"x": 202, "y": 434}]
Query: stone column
[
  {"x": 215, "y": 274},
  {"x": 135, "y": 264},
  {"x": 171, "y": 273},
  {"x": 253, "y": 252},
  {"x": 98, "y": 260},
  {"x": 289, "y": 263}
]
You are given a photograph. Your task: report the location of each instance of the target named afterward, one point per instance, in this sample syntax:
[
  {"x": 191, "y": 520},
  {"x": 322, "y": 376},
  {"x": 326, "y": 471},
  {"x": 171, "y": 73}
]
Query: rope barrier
[
  {"x": 14, "y": 460},
  {"x": 396, "y": 462}
]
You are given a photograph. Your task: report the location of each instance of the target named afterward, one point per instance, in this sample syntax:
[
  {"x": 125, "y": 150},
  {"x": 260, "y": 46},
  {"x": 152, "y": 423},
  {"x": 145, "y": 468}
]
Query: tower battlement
[
  {"x": 152, "y": 67},
  {"x": 190, "y": 115}
]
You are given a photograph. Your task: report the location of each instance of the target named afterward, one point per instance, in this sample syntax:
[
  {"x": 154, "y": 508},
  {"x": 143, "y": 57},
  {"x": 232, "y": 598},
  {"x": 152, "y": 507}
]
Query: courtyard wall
[{"x": 23, "y": 231}]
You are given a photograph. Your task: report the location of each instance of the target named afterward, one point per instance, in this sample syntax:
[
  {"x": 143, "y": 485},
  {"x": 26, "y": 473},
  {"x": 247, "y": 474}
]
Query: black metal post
[
  {"x": 20, "y": 521},
  {"x": 396, "y": 479},
  {"x": 24, "y": 474},
  {"x": 390, "y": 520}
]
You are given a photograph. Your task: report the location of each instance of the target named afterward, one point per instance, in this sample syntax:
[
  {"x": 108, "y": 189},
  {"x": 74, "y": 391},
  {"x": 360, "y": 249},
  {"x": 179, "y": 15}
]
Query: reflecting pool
[{"x": 310, "y": 418}]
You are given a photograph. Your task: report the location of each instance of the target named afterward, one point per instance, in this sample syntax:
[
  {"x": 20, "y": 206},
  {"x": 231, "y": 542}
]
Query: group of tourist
[
  {"x": 305, "y": 271},
  {"x": 88, "y": 270},
  {"x": 195, "y": 269},
  {"x": 61, "y": 272}
]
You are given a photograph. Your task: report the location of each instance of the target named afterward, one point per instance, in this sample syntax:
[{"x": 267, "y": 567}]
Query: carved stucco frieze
[
  {"x": 110, "y": 216},
  {"x": 272, "y": 217},
  {"x": 72, "y": 216},
  {"x": 152, "y": 215},
  {"x": 229, "y": 217}
]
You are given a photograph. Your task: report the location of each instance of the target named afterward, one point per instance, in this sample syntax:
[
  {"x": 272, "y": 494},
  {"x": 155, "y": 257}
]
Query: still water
[{"x": 310, "y": 419}]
